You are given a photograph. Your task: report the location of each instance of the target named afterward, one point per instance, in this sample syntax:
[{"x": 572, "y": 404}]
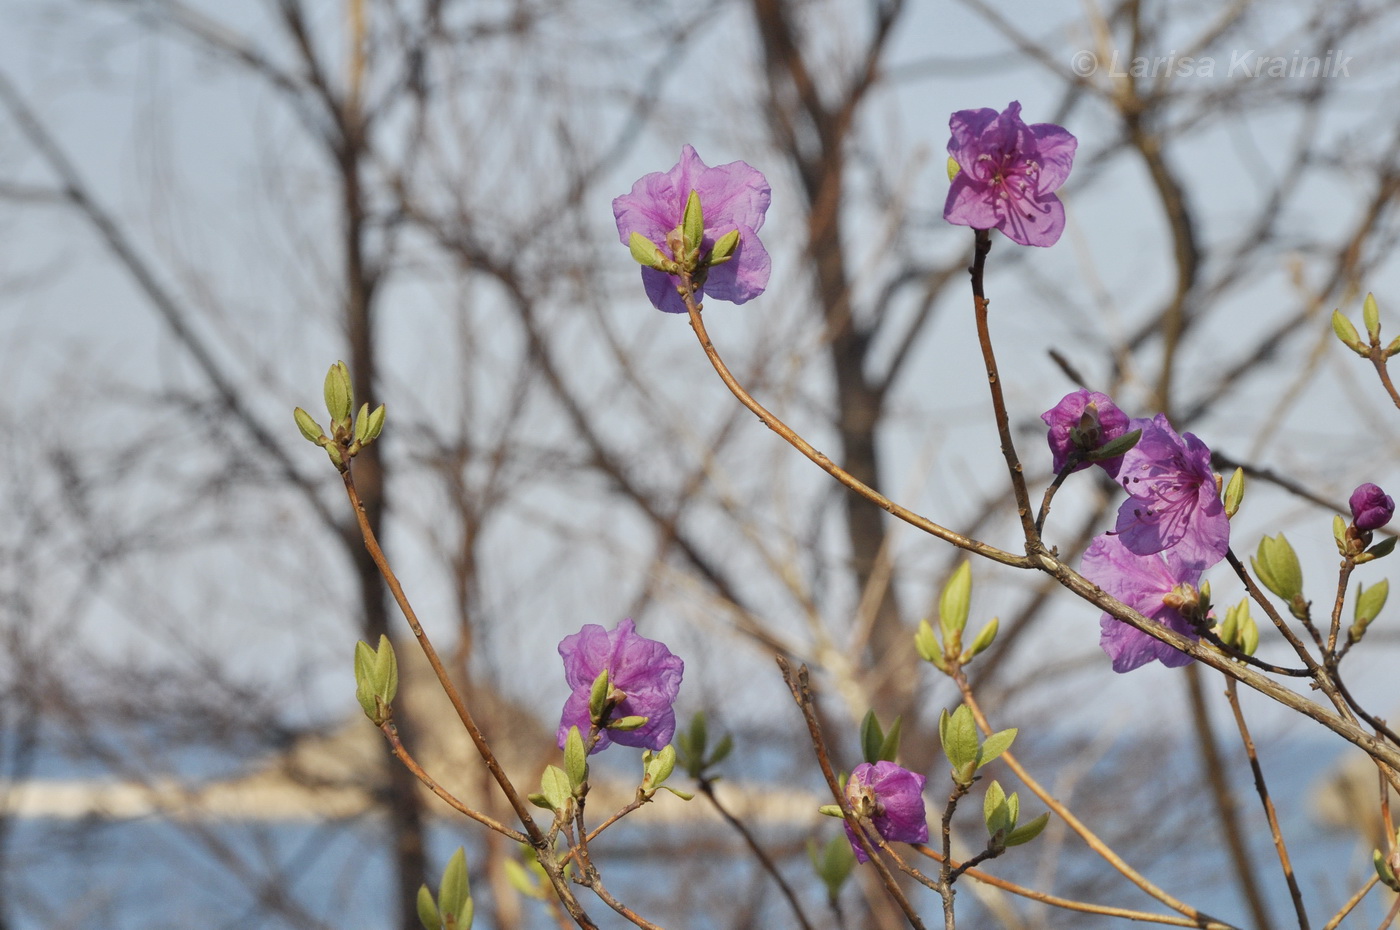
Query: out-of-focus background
[{"x": 203, "y": 205}]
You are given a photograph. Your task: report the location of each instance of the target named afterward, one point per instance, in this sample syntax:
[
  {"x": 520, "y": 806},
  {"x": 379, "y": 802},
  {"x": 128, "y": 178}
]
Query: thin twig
[
  {"x": 1354, "y": 900},
  {"x": 707, "y": 788},
  {"x": 1082, "y": 907},
  {"x": 983, "y": 245},
  {"x": 391, "y": 733},
  {"x": 538, "y": 840},
  {"x": 830, "y": 467},
  {"x": 1088, "y": 836},
  {"x": 1233, "y": 696},
  {"x": 799, "y": 684}
]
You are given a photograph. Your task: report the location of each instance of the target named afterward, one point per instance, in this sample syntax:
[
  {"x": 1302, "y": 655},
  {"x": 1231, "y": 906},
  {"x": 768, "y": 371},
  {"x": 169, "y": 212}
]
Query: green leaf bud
[
  {"x": 340, "y": 396},
  {"x": 872, "y": 737},
  {"x": 889, "y": 747},
  {"x": 376, "y": 679},
  {"x": 427, "y": 910},
  {"x": 554, "y": 788},
  {"x": 692, "y": 231},
  {"x": 1339, "y": 533},
  {"x": 1379, "y": 551},
  {"x": 647, "y": 253},
  {"x": 953, "y": 167},
  {"x": 722, "y": 750},
  {"x": 1234, "y": 493},
  {"x": 575, "y": 759},
  {"x": 375, "y": 426},
  {"x": 455, "y": 893},
  {"x": 996, "y": 813},
  {"x": 953, "y": 607},
  {"x": 658, "y": 766},
  {"x": 1393, "y": 347},
  {"x": 1114, "y": 447},
  {"x": 523, "y": 880},
  {"x": 1369, "y": 602},
  {"x": 985, "y": 637},
  {"x": 833, "y": 863},
  {"x": 1277, "y": 568},
  {"x": 1371, "y": 316},
  {"x": 598, "y": 697},
  {"x": 628, "y": 723},
  {"x": 1383, "y": 870},
  {"x": 927, "y": 646},
  {"x": 1347, "y": 333},
  {"x": 308, "y": 426},
  {"x": 831, "y": 810},
  {"x": 958, "y": 734},
  {"x": 724, "y": 248}
]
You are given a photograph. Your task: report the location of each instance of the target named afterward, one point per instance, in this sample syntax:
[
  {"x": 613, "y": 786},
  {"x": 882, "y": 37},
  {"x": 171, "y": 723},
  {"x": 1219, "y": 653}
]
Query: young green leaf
[
  {"x": 953, "y": 606},
  {"x": 995, "y": 745},
  {"x": 1027, "y": 832}
]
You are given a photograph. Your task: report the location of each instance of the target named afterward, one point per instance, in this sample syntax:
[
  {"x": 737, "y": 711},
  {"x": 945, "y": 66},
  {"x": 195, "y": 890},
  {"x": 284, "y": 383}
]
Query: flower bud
[{"x": 1371, "y": 508}]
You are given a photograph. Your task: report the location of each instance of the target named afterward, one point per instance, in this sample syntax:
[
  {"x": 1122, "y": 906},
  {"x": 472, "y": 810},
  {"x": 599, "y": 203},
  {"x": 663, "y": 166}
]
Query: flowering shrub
[{"x": 693, "y": 229}]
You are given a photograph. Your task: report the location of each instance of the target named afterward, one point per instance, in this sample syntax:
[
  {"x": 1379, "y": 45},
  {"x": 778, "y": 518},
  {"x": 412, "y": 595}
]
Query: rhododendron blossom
[
  {"x": 1150, "y": 584},
  {"x": 893, "y": 798},
  {"x": 1173, "y": 500},
  {"x": 642, "y": 673},
  {"x": 732, "y": 197},
  {"x": 1008, "y": 173}
]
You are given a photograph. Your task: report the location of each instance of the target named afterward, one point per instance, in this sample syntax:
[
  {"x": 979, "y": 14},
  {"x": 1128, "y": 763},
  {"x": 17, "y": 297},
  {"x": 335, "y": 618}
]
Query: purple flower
[
  {"x": 1371, "y": 508},
  {"x": 893, "y": 799},
  {"x": 1149, "y": 585},
  {"x": 642, "y": 670},
  {"x": 1097, "y": 420},
  {"x": 1008, "y": 174},
  {"x": 732, "y": 196},
  {"x": 1173, "y": 500}
]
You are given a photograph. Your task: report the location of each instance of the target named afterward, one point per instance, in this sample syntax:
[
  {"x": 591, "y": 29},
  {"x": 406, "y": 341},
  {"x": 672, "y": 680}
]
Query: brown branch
[
  {"x": 800, "y": 686},
  {"x": 1232, "y": 694},
  {"x": 538, "y": 840},
  {"x": 1068, "y": 904},
  {"x": 391, "y": 733}
]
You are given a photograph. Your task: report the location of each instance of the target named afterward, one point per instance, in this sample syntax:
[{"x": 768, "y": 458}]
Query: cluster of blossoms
[
  {"x": 1171, "y": 528},
  {"x": 643, "y": 678}
]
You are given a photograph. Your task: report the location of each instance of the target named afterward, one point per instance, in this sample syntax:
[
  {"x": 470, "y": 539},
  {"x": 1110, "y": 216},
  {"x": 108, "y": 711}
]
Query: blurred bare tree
[{"x": 221, "y": 201}]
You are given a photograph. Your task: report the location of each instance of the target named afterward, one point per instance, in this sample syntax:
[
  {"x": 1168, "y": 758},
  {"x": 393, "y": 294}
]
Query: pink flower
[
  {"x": 642, "y": 670},
  {"x": 1155, "y": 586},
  {"x": 1008, "y": 174},
  {"x": 732, "y": 197},
  {"x": 893, "y": 799},
  {"x": 1174, "y": 503}
]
